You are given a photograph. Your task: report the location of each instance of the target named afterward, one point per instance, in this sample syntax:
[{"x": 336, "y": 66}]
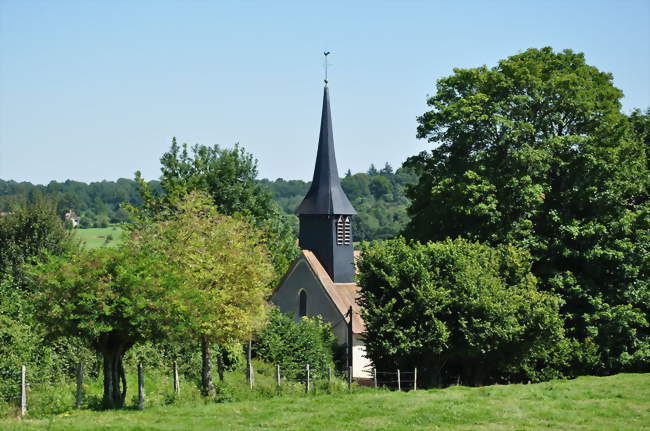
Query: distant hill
[{"x": 378, "y": 196}]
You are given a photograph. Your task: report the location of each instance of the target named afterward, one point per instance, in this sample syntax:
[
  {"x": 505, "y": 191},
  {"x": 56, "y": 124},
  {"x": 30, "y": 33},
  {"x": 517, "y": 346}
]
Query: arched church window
[
  {"x": 343, "y": 230},
  {"x": 302, "y": 306}
]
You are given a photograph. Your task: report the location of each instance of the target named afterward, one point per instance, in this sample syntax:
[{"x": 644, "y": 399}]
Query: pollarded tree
[
  {"x": 112, "y": 299},
  {"x": 536, "y": 152},
  {"x": 194, "y": 273},
  {"x": 457, "y": 308}
]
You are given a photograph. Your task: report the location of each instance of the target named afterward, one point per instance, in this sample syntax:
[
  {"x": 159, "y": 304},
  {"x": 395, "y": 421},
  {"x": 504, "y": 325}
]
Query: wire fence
[{"x": 293, "y": 376}]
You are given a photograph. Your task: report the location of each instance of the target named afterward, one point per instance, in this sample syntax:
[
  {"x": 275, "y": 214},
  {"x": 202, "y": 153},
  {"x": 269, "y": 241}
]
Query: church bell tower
[{"x": 326, "y": 212}]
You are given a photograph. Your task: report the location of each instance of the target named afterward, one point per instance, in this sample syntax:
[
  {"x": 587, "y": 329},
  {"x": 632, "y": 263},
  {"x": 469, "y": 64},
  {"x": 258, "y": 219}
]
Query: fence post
[
  {"x": 177, "y": 383},
  {"x": 399, "y": 381},
  {"x": 415, "y": 379},
  {"x": 307, "y": 381},
  {"x": 277, "y": 374},
  {"x": 350, "y": 377},
  {"x": 80, "y": 384},
  {"x": 374, "y": 376},
  {"x": 249, "y": 359},
  {"x": 329, "y": 375},
  {"x": 140, "y": 387},
  {"x": 23, "y": 391}
]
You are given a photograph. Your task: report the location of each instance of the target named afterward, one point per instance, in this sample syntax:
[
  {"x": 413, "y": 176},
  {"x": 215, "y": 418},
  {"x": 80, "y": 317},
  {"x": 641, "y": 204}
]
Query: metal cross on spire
[{"x": 326, "y": 53}]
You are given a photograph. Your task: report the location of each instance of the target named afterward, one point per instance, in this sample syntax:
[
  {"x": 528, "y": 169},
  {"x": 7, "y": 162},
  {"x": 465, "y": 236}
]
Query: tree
[
  {"x": 28, "y": 235},
  {"x": 193, "y": 272},
  {"x": 536, "y": 152},
  {"x": 222, "y": 268},
  {"x": 458, "y": 308},
  {"x": 228, "y": 175}
]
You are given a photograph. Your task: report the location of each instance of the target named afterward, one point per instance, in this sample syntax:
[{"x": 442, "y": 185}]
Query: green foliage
[
  {"x": 536, "y": 152},
  {"x": 193, "y": 272},
  {"x": 228, "y": 175},
  {"x": 96, "y": 203},
  {"x": 293, "y": 344},
  {"x": 379, "y": 199},
  {"x": 28, "y": 235},
  {"x": 457, "y": 308},
  {"x": 219, "y": 266}
]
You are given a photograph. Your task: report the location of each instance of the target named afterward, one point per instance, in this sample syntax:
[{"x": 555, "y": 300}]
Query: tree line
[{"x": 378, "y": 195}]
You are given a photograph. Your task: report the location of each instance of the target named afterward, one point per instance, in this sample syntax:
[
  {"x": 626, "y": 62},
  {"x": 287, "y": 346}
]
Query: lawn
[
  {"x": 620, "y": 402},
  {"x": 97, "y": 237}
]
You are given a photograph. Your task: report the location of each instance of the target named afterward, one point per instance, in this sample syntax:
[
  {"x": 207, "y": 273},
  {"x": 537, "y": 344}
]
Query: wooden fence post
[
  {"x": 251, "y": 376},
  {"x": 177, "y": 383},
  {"x": 350, "y": 377},
  {"x": 374, "y": 376},
  {"x": 307, "y": 381},
  {"x": 80, "y": 384},
  {"x": 23, "y": 391},
  {"x": 277, "y": 375},
  {"x": 140, "y": 387},
  {"x": 415, "y": 379},
  {"x": 399, "y": 381}
]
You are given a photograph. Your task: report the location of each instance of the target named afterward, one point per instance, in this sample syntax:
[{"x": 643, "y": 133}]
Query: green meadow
[
  {"x": 100, "y": 237},
  {"x": 620, "y": 402}
]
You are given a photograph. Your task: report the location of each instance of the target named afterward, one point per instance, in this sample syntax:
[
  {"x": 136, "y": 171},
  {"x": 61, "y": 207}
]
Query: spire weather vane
[{"x": 326, "y": 53}]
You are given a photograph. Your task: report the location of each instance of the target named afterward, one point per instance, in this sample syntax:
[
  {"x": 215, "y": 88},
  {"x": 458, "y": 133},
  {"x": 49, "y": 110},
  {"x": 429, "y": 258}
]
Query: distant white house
[{"x": 72, "y": 217}]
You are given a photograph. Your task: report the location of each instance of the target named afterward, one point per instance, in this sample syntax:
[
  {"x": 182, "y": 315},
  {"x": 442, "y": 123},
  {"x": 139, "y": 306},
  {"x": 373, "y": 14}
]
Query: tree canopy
[
  {"x": 229, "y": 177},
  {"x": 193, "y": 272},
  {"x": 536, "y": 152},
  {"x": 458, "y": 309}
]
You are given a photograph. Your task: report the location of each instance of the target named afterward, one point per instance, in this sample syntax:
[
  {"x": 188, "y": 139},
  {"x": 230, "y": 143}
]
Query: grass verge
[{"x": 620, "y": 402}]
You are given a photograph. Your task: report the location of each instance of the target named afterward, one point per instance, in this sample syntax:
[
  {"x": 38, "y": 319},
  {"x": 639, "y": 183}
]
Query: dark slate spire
[{"x": 326, "y": 195}]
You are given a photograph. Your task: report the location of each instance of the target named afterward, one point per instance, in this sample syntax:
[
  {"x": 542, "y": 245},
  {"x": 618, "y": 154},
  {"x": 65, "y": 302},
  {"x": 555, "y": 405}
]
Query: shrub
[{"x": 293, "y": 344}]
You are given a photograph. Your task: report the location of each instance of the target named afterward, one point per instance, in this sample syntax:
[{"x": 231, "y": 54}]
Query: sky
[{"x": 95, "y": 90}]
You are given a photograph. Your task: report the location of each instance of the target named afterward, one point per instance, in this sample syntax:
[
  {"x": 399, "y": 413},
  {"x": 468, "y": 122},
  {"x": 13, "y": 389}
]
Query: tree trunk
[
  {"x": 113, "y": 347},
  {"x": 220, "y": 364},
  {"x": 207, "y": 386}
]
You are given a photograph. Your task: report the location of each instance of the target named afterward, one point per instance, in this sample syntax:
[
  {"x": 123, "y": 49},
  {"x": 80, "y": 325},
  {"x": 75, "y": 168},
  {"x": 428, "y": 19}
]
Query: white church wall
[
  {"x": 361, "y": 366},
  {"x": 286, "y": 297}
]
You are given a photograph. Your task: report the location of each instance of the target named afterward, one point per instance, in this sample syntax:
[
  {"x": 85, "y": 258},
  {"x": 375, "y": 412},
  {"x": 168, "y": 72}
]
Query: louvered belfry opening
[
  {"x": 343, "y": 230},
  {"x": 326, "y": 212}
]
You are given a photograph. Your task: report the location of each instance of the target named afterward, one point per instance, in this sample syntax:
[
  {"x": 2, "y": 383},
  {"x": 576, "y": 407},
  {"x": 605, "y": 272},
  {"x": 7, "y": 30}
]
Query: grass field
[
  {"x": 96, "y": 237},
  {"x": 620, "y": 402}
]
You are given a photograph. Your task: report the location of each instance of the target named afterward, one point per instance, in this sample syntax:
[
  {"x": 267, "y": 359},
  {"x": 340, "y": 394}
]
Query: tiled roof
[{"x": 343, "y": 295}]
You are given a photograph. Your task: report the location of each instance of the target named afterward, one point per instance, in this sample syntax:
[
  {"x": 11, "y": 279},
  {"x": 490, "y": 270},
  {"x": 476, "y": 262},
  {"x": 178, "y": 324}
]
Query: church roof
[
  {"x": 325, "y": 196},
  {"x": 344, "y": 295}
]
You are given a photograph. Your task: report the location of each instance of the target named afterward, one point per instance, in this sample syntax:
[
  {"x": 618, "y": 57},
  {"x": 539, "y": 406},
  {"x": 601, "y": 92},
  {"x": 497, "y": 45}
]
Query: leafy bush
[
  {"x": 294, "y": 344},
  {"x": 458, "y": 309}
]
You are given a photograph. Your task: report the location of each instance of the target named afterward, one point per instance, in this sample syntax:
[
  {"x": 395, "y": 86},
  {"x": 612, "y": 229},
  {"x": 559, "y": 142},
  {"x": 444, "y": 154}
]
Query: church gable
[{"x": 301, "y": 280}]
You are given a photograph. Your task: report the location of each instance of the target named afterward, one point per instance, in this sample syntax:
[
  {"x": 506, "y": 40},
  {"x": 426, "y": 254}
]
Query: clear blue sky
[{"x": 93, "y": 90}]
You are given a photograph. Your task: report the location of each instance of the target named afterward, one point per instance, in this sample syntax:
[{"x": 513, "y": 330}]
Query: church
[{"x": 321, "y": 280}]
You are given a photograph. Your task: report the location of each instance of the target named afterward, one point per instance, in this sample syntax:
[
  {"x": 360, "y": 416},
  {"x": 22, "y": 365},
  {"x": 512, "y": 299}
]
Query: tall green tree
[
  {"x": 536, "y": 152},
  {"x": 229, "y": 176},
  {"x": 222, "y": 268}
]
